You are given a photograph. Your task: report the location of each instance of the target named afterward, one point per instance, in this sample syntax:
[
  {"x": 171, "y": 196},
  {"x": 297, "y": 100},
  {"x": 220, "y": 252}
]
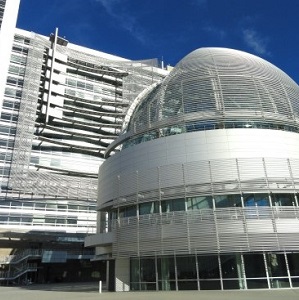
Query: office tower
[
  {"x": 62, "y": 105},
  {"x": 204, "y": 192}
]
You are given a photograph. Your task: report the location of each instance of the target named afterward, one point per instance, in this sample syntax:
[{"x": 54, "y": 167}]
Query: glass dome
[{"x": 215, "y": 88}]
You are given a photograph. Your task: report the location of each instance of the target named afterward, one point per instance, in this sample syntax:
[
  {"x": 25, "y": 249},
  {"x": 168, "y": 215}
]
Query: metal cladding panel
[
  {"x": 223, "y": 123},
  {"x": 253, "y": 160},
  {"x": 148, "y": 179},
  {"x": 224, "y": 169},
  {"x": 59, "y": 144},
  {"x": 198, "y": 172},
  {"x": 208, "y": 231},
  {"x": 179, "y": 180},
  {"x": 287, "y": 225},
  {"x": 215, "y": 86},
  {"x": 171, "y": 175},
  {"x": 128, "y": 183}
]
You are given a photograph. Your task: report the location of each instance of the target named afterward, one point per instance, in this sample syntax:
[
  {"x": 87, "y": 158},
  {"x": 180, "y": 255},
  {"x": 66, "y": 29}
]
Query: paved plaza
[{"x": 89, "y": 291}]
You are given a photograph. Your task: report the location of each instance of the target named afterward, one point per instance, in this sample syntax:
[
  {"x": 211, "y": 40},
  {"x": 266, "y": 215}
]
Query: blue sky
[{"x": 142, "y": 29}]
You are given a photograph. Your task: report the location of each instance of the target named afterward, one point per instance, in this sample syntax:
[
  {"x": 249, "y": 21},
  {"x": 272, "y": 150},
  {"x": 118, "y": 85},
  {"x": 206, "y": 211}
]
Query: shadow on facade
[{"x": 45, "y": 258}]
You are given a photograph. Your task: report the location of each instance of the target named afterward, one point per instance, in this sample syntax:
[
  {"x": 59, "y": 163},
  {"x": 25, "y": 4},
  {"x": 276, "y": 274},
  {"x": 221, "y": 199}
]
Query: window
[
  {"x": 228, "y": 201},
  {"x": 50, "y": 220},
  {"x": 14, "y": 219},
  {"x": 254, "y": 265},
  {"x": 27, "y": 220},
  {"x": 60, "y": 221},
  {"x": 13, "y": 93},
  {"x": 293, "y": 261},
  {"x": 129, "y": 211},
  {"x": 186, "y": 267},
  {"x": 276, "y": 265},
  {"x": 3, "y": 219},
  {"x": 21, "y": 60},
  {"x": 71, "y": 221},
  {"x": 21, "y": 40},
  {"x": 38, "y": 220},
  {"x": 16, "y": 70},
  {"x": 173, "y": 205},
  {"x": 40, "y": 206},
  {"x": 200, "y": 202},
  {"x": 166, "y": 273},
  {"x": 4, "y": 130},
  {"x": 283, "y": 200},
  {"x": 135, "y": 274},
  {"x": 230, "y": 265},
  {"x": 19, "y": 49},
  {"x": 256, "y": 200},
  {"x": 15, "y": 81},
  {"x": 208, "y": 268},
  {"x": 148, "y": 208}
]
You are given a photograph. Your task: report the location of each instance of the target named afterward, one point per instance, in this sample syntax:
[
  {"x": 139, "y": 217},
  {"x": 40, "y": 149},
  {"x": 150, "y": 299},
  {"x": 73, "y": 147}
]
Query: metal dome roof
[{"x": 217, "y": 86}]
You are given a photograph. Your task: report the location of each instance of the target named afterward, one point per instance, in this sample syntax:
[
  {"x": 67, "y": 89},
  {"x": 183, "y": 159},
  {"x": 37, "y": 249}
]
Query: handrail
[
  {"x": 15, "y": 259},
  {"x": 19, "y": 267},
  {"x": 27, "y": 253},
  {"x": 13, "y": 274}
]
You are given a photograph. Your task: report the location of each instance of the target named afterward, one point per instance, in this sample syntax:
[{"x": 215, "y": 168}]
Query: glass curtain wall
[
  {"x": 254, "y": 204},
  {"x": 216, "y": 272}
]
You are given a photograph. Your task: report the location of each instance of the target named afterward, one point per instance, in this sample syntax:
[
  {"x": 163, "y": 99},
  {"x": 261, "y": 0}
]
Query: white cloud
[
  {"x": 217, "y": 32},
  {"x": 108, "y": 4},
  {"x": 254, "y": 41},
  {"x": 123, "y": 18}
]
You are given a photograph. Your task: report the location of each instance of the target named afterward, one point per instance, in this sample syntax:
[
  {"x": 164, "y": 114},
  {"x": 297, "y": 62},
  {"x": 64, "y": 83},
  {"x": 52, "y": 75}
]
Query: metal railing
[
  {"x": 223, "y": 230},
  {"x": 19, "y": 271},
  {"x": 15, "y": 259}
]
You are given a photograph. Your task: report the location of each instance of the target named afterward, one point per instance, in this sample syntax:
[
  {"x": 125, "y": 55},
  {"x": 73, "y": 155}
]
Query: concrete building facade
[{"x": 61, "y": 105}]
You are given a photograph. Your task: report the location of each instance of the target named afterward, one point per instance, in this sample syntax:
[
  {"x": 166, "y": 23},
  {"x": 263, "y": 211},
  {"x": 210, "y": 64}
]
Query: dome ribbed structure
[{"x": 218, "y": 87}]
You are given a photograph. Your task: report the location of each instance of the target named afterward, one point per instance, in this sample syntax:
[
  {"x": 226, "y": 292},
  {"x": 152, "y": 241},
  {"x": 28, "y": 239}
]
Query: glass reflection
[{"x": 203, "y": 271}]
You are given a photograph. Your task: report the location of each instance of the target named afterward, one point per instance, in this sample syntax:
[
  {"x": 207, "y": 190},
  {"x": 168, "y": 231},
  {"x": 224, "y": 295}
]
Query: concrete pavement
[{"x": 89, "y": 291}]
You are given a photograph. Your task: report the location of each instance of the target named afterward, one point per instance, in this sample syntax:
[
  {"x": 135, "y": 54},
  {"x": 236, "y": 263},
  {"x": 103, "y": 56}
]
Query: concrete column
[{"x": 122, "y": 275}]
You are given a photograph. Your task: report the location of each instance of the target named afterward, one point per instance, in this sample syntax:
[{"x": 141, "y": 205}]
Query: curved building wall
[
  {"x": 204, "y": 192},
  {"x": 196, "y": 148},
  {"x": 232, "y": 84},
  {"x": 215, "y": 88},
  {"x": 191, "y": 167}
]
